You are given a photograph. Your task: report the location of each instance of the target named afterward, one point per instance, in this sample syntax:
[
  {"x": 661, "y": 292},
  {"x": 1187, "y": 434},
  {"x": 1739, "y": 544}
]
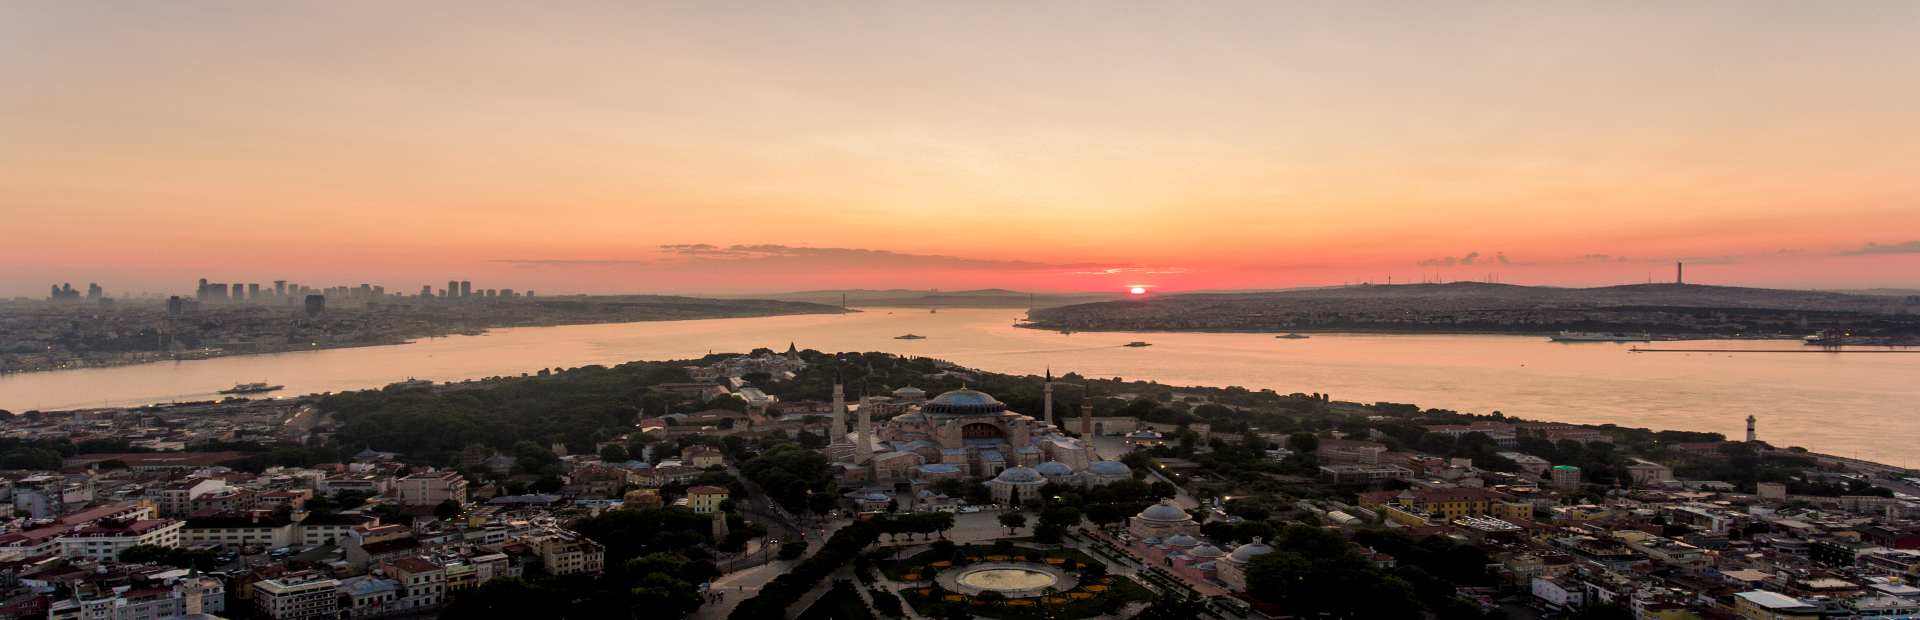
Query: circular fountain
[{"x": 1012, "y": 579}]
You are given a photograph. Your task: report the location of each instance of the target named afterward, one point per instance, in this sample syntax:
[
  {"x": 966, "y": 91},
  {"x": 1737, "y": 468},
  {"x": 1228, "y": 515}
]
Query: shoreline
[{"x": 1409, "y": 332}]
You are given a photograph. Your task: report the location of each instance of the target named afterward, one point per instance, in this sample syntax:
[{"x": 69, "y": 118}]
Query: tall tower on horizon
[
  {"x": 1751, "y": 436},
  {"x": 1679, "y": 272}
]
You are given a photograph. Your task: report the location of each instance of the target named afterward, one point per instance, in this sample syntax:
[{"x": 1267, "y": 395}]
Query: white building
[{"x": 105, "y": 540}]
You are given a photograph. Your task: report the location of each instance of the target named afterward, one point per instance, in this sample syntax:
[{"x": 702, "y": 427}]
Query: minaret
[
  {"x": 1086, "y": 412},
  {"x": 839, "y": 428},
  {"x": 1048, "y": 407},
  {"x": 863, "y": 442},
  {"x": 193, "y": 593},
  {"x": 1750, "y": 434}
]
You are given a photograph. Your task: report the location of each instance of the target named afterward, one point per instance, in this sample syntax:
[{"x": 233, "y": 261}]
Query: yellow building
[
  {"x": 1448, "y": 504},
  {"x": 705, "y": 499}
]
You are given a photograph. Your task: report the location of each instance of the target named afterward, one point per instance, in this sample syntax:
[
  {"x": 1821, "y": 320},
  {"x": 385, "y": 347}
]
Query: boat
[
  {"x": 909, "y": 337},
  {"x": 251, "y": 388},
  {"x": 1292, "y": 337},
  {"x": 1601, "y": 337},
  {"x": 933, "y": 311},
  {"x": 1137, "y": 343}
]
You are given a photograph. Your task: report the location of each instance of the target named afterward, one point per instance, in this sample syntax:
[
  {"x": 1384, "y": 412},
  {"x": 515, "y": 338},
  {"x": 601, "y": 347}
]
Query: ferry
[
  {"x": 909, "y": 337},
  {"x": 1601, "y": 337},
  {"x": 1137, "y": 343},
  {"x": 251, "y": 388},
  {"x": 1292, "y": 337}
]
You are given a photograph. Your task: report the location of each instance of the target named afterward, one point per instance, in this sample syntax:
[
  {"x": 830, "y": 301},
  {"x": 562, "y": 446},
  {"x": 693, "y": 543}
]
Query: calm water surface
[{"x": 1849, "y": 404}]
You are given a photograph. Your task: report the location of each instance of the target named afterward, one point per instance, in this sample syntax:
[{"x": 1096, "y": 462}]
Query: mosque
[{"x": 959, "y": 435}]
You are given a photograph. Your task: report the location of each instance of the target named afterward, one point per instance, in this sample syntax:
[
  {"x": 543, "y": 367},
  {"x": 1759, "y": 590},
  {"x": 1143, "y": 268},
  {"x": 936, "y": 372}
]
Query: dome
[
  {"x": 1052, "y": 469},
  {"x": 876, "y": 496},
  {"x": 909, "y": 390},
  {"x": 1246, "y": 552},
  {"x": 1144, "y": 434},
  {"x": 1165, "y": 511},
  {"x": 1019, "y": 475},
  {"x": 1182, "y": 540},
  {"x": 964, "y": 402},
  {"x": 939, "y": 468},
  {"x": 1206, "y": 551},
  {"x": 1111, "y": 468},
  {"x": 911, "y": 416}
]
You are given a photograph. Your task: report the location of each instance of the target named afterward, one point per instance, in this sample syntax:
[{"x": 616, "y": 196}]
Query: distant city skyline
[{"x": 735, "y": 147}]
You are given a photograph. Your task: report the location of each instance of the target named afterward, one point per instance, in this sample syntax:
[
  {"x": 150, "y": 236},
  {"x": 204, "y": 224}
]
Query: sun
[{"x": 1139, "y": 291}]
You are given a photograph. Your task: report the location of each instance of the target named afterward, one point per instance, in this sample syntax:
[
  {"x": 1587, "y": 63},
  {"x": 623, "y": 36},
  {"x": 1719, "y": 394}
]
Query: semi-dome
[
  {"x": 1019, "y": 475},
  {"x": 964, "y": 402},
  {"x": 939, "y": 468},
  {"x": 1182, "y": 540},
  {"x": 909, "y": 390},
  {"x": 1206, "y": 552},
  {"x": 1111, "y": 468},
  {"x": 1053, "y": 469},
  {"x": 1245, "y": 552},
  {"x": 1165, "y": 511}
]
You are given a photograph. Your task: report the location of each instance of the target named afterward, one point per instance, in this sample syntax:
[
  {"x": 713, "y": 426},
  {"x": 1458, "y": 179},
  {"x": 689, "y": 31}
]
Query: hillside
[{"x": 1483, "y": 307}]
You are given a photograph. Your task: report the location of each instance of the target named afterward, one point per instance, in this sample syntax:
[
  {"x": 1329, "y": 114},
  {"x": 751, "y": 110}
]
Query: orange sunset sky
[{"x": 709, "y": 147}]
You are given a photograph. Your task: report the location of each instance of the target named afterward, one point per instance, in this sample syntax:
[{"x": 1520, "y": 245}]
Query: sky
[{"x": 729, "y": 147}]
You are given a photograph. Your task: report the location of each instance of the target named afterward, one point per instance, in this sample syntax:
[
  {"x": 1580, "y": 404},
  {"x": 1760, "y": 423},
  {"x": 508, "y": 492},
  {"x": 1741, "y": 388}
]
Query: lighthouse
[{"x": 1750, "y": 435}]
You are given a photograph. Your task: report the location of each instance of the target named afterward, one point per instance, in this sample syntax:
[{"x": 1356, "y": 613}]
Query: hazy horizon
[{"x": 730, "y": 147}]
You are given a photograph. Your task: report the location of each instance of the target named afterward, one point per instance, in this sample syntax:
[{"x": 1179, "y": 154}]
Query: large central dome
[{"x": 963, "y": 402}]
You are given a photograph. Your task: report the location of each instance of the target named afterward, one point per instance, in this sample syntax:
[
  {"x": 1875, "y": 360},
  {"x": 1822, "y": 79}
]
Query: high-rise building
[
  {"x": 253, "y": 291},
  {"x": 453, "y": 289},
  {"x": 426, "y": 290},
  {"x": 279, "y": 288},
  {"x": 94, "y": 291},
  {"x": 176, "y": 306},
  {"x": 466, "y": 289},
  {"x": 316, "y": 305}
]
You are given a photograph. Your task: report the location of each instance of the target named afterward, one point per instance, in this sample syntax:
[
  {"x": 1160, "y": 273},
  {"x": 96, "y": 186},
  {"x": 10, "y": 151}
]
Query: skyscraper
[
  {"x": 316, "y": 305},
  {"x": 466, "y": 289}
]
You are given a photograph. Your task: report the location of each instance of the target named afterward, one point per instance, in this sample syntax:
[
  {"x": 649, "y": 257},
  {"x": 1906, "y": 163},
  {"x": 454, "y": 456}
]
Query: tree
[
  {"x": 507, "y": 597},
  {"x": 447, "y": 509},
  {"x": 1303, "y": 442},
  {"x": 1013, "y": 521},
  {"x": 793, "y": 549},
  {"x": 614, "y": 453}
]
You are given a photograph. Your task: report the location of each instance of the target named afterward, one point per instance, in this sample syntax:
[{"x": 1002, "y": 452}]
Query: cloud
[
  {"x": 537, "y": 263},
  {"x": 1910, "y": 247},
  {"x": 768, "y": 258},
  {"x": 1469, "y": 259},
  {"x": 1604, "y": 258},
  {"x": 1785, "y": 251},
  {"x": 1711, "y": 260}
]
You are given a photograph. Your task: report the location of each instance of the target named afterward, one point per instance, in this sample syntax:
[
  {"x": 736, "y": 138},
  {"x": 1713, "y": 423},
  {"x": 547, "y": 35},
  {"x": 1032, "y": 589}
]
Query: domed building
[
  {"x": 1106, "y": 472},
  {"x": 1015, "y": 485},
  {"x": 1162, "y": 520},
  {"x": 910, "y": 394},
  {"x": 1058, "y": 472},
  {"x": 1233, "y": 569},
  {"x": 970, "y": 431}
]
